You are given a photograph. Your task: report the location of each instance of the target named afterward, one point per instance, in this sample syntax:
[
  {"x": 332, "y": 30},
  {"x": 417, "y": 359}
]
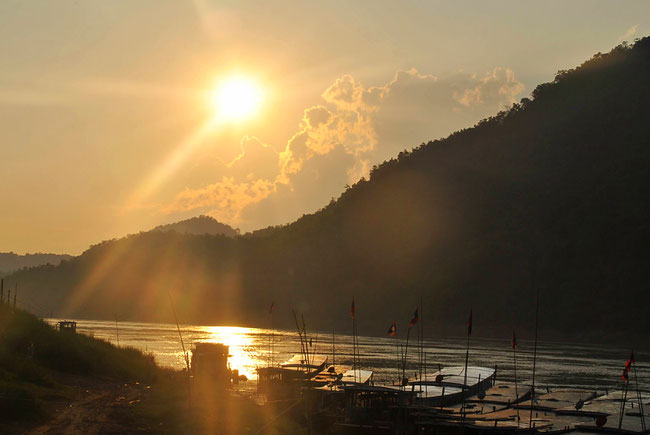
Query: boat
[
  {"x": 374, "y": 409},
  {"x": 285, "y": 381},
  {"x": 209, "y": 364},
  {"x": 450, "y": 386}
]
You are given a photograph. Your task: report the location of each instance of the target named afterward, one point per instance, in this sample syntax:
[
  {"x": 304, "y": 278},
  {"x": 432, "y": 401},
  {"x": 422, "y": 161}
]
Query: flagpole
[
  {"x": 270, "y": 361},
  {"x": 532, "y": 395},
  {"x": 514, "y": 355},
  {"x": 397, "y": 350},
  {"x": 622, "y": 413},
  {"x": 302, "y": 345},
  {"x": 333, "y": 352},
  {"x": 469, "y": 333},
  {"x": 421, "y": 335},
  {"x": 638, "y": 394},
  {"x": 406, "y": 349}
]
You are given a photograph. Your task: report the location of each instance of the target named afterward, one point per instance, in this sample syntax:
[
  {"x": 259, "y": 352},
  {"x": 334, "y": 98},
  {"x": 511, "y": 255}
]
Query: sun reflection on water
[{"x": 244, "y": 344}]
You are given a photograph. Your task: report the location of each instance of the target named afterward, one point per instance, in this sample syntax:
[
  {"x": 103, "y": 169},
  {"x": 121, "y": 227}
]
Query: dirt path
[{"x": 99, "y": 407}]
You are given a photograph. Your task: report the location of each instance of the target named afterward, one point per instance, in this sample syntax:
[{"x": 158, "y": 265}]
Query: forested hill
[
  {"x": 10, "y": 261},
  {"x": 200, "y": 225},
  {"x": 553, "y": 194}
]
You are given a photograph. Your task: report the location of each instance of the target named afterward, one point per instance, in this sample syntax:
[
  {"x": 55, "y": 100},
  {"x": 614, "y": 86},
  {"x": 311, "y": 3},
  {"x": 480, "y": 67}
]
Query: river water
[{"x": 570, "y": 365}]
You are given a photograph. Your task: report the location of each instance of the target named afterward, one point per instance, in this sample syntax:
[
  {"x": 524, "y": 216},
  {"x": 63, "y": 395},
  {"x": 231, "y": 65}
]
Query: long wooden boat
[
  {"x": 285, "y": 381},
  {"x": 450, "y": 386}
]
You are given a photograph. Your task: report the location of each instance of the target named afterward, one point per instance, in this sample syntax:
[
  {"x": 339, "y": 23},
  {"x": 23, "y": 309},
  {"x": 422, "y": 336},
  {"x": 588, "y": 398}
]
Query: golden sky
[{"x": 109, "y": 122}]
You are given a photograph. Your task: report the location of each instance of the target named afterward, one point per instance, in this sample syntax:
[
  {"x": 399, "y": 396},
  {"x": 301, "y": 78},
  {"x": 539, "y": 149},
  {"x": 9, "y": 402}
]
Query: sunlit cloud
[
  {"x": 499, "y": 85},
  {"x": 225, "y": 199},
  {"x": 353, "y": 120},
  {"x": 628, "y": 33}
]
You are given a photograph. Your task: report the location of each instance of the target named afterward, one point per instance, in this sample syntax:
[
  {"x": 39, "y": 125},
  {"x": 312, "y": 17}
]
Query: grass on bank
[{"x": 36, "y": 359}]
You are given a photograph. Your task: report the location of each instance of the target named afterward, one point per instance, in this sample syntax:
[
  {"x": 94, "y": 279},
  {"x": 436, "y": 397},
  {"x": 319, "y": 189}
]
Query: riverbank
[{"x": 64, "y": 382}]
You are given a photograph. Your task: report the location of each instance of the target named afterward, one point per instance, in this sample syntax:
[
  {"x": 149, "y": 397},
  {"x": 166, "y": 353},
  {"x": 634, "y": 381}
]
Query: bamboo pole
[
  {"x": 514, "y": 356},
  {"x": 638, "y": 395},
  {"x": 185, "y": 354},
  {"x": 532, "y": 395},
  {"x": 622, "y": 412},
  {"x": 117, "y": 333},
  {"x": 406, "y": 349}
]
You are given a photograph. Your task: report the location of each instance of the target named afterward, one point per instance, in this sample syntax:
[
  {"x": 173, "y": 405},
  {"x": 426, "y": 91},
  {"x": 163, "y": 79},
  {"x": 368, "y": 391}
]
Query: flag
[
  {"x": 469, "y": 324},
  {"x": 514, "y": 340},
  {"x": 415, "y": 318},
  {"x": 630, "y": 361},
  {"x": 392, "y": 329},
  {"x": 352, "y": 309},
  {"x": 272, "y": 307},
  {"x": 628, "y": 366}
]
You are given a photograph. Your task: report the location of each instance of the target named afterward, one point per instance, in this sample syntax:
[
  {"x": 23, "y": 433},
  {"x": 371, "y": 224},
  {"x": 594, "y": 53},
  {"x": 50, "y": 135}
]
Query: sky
[{"x": 108, "y": 124}]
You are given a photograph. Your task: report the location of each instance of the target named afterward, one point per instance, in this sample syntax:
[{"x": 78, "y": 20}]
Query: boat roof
[
  {"x": 376, "y": 389},
  {"x": 357, "y": 376},
  {"x": 455, "y": 376},
  {"x": 298, "y": 361},
  {"x": 428, "y": 391}
]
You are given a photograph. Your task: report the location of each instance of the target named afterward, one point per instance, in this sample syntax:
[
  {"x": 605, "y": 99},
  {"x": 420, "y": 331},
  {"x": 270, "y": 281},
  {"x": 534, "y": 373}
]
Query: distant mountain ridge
[
  {"x": 10, "y": 262},
  {"x": 200, "y": 225},
  {"x": 550, "y": 195}
]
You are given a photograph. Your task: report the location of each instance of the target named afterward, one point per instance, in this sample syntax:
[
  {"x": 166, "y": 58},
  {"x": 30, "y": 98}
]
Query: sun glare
[{"x": 236, "y": 98}]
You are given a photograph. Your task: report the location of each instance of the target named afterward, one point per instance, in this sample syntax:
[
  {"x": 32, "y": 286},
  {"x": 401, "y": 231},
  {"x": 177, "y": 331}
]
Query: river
[{"x": 570, "y": 365}]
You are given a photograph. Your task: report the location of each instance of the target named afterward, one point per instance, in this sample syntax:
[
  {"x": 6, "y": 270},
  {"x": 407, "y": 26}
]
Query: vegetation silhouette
[
  {"x": 552, "y": 193},
  {"x": 200, "y": 225},
  {"x": 10, "y": 261}
]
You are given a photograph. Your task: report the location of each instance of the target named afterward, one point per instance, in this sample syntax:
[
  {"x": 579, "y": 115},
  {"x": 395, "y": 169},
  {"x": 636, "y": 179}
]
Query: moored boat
[{"x": 450, "y": 386}]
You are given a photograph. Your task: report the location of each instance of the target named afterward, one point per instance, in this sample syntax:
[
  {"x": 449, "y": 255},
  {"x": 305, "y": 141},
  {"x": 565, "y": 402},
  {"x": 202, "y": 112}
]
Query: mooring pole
[
  {"x": 514, "y": 356},
  {"x": 532, "y": 392},
  {"x": 638, "y": 395},
  {"x": 406, "y": 349},
  {"x": 622, "y": 413},
  {"x": 117, "y": 333}
]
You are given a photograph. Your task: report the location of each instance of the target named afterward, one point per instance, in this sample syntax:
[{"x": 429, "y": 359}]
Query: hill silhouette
[
  {"x": 552, "y": 194},
  {"x": 199, "y": 225},
  {"x": 10, "y": 262}
]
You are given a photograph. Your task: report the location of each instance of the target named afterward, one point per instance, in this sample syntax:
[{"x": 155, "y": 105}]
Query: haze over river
[{"x": 570, "y": 365}]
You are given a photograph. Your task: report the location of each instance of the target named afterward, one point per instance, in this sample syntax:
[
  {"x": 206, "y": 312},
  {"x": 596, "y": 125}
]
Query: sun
[{"x": 236, "y": 99}]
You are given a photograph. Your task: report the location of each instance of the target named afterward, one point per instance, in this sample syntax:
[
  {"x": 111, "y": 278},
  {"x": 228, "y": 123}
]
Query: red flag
[
  {"x": 628, "y": 366},
  {"x": 352, "y": 309},
  {"x": 469, "y": 324},
  {"x": 272, "y": 307},
  {"x": 514, "y": 340},
  {"x": 415, "y": 318},
  {"x": 392, "y": 329},
  {"x": 630, "y": 361}
]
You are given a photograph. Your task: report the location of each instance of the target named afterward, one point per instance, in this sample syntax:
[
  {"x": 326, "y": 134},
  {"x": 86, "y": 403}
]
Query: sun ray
[{"x": 178, "y": 157}]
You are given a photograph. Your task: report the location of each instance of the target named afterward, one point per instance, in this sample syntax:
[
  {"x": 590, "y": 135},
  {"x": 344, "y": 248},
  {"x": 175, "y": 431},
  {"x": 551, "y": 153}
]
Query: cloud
[
  {"x": 496, "y": 88},
  {"x": 340, "y": 139},
  {"x": 225, "y": 200},
  {"x": 628, "y": 33},
  {"x": 255, "y": 160}
]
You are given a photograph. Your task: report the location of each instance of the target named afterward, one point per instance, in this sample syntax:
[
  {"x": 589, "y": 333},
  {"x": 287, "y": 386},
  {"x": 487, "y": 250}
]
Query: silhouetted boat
[
  {"x": 447, "y": 386},
  {"x": 285, "y": 381}
]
